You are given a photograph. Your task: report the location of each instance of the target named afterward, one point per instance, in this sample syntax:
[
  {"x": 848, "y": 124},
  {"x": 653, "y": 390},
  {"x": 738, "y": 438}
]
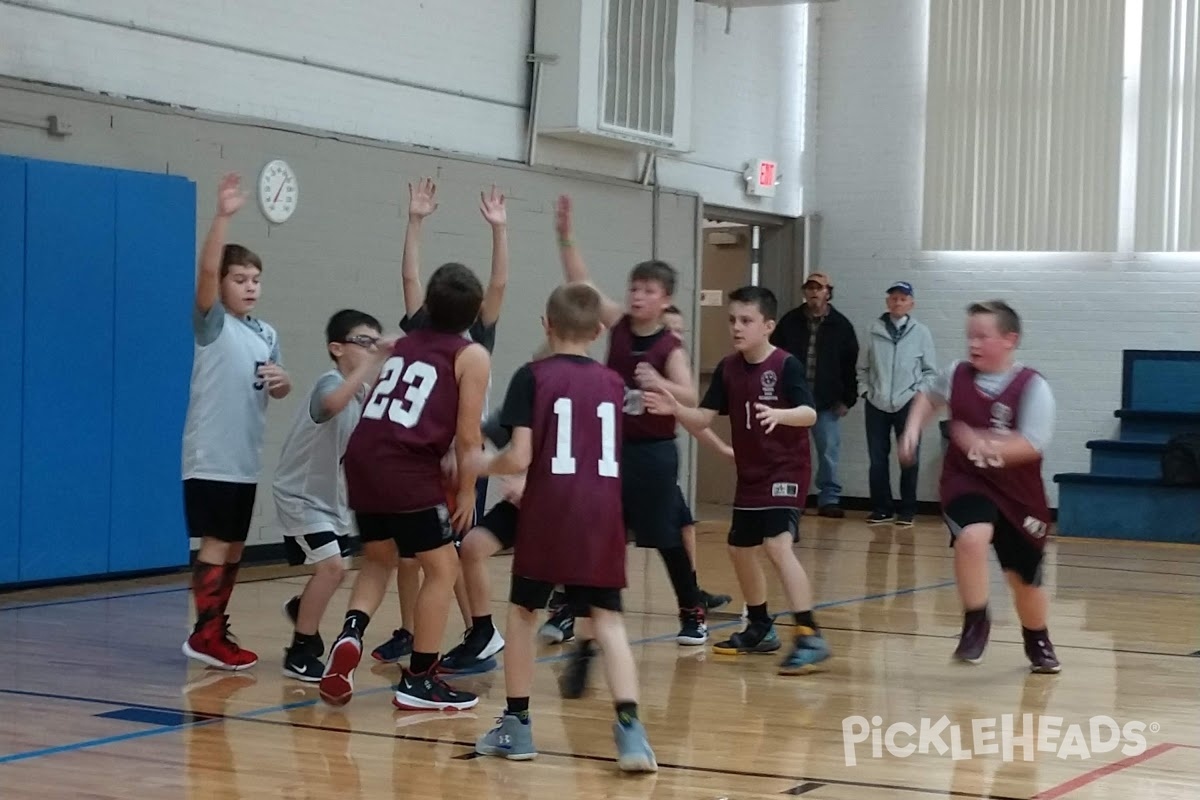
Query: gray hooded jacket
[{"x": 898, "y": 363}]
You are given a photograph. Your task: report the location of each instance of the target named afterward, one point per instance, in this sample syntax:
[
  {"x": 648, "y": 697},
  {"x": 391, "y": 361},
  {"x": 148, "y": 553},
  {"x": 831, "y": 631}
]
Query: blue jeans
[
  {"x": 827, "y": 437},
  {"x": 880, "y": 427}
]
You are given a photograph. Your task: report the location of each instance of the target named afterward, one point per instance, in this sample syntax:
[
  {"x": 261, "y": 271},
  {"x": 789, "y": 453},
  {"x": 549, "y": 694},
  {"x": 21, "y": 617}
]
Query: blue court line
[
  {"x": 94, "y": 599},
  {"x": 158, "y": 731}
]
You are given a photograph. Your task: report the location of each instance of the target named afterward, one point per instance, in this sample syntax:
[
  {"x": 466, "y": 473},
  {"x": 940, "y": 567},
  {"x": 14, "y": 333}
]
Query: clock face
[{"x": 278, "y": 191}]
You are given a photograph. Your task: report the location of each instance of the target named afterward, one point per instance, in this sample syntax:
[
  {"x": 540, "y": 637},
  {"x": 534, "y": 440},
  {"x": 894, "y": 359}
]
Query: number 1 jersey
[
  {"x": 571, "y": 529},
  {"x": 393, "y": 462}
]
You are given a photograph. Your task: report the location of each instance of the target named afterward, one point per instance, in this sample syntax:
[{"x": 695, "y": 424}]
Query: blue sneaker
[
  {"x": 511, "y": 739},
  {"x": 757, "y": 637},
  {"x": 395, "y": 648},
  {"x": 806, "y": 656},
  {"x": 633, "y": 748}
]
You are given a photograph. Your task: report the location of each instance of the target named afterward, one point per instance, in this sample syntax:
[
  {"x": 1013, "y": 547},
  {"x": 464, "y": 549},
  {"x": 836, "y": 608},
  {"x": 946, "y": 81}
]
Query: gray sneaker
[
  {"x": 511, "y": 739},
  {"x": 633, "y": 749}
]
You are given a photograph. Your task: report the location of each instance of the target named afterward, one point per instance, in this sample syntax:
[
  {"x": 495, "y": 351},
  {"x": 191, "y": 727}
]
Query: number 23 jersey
[
  {"x": 393, "y": 459},
  {"x": 571, "y": 529}
]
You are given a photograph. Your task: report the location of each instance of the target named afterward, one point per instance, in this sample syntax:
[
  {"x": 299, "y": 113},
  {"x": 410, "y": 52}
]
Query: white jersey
[
  {"x": 227, "y": 409},
  {"x": 310, "y": 487}
]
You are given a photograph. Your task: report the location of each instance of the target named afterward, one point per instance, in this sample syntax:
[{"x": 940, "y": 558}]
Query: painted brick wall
[
  {"x": 1080, "y": 310},
  {"x": 446, "y": 75}
]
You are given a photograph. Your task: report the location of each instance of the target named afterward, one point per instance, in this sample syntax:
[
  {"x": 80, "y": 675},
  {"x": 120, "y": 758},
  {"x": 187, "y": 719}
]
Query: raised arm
[
  {"x": 491, "y": 205},
  {"x": 421, "y": 203},
  {"x": 230, "y": 198},
  {"x": 574, "y": 268},
  {"x": 334, "y": 402},
  {"x": 471, "y": 370}
]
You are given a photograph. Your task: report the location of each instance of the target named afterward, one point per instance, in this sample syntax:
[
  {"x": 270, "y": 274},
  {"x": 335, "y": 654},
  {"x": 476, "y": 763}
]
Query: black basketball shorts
[
  {"x": 534, "y": 595},
  {"x": 684, "y": 512},
  {"x": 501, "y": 522},
  {"x": 649, "y": 492},
  {"x": 218, "y": 509},
  {"x": 307, "y": 549},
  {"x": 1014, "y": 551},
  {"x": 753, "y": 526},
  {"x": 413, "y": 531}
]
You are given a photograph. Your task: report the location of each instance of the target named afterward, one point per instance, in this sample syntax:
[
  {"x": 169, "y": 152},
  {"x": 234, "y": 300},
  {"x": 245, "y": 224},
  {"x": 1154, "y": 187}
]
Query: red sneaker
[
  {"x": 337, "y": 684},
  {"x": 218, "y": 651}
]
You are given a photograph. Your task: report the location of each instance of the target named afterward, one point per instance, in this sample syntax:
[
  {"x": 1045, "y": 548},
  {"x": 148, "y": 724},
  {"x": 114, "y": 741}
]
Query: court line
[
  {"x": 90, "y": 743},
  {"x": 1091, "y": 776},
  {"x": 69, "y": 601}
]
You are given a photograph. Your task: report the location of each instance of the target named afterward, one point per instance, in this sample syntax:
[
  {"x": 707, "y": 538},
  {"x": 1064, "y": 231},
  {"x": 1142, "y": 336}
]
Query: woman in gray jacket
[{"x": 899, "y": 363}]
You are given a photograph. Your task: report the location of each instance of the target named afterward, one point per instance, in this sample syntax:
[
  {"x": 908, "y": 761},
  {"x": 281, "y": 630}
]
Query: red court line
[{"x": 1108, "y": 769}]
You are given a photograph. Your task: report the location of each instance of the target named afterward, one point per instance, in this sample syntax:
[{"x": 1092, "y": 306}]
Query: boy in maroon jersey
[
  {"x": 565, "y": 415},
  {"x": 647, "y": 355},
  {"x": 429, "y": 395},
  {"x": 762, "y": 390},
  {"x": 1001, "y": 421}
]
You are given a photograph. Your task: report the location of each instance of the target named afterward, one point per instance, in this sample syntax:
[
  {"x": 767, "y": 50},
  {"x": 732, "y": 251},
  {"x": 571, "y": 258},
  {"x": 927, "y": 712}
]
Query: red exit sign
[
  {"x": 766, "y": 173},
  {"x": 761, "y": 178}
]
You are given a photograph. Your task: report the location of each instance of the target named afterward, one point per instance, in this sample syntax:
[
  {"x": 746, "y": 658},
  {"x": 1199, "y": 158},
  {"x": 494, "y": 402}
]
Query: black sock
[
  {"x": 421, "y": 663},
  {"x": 758, "y": 613},
  {"x": 975, "y": 616},
  {"x": 1031, "y": 635},
  {"x": 626, "y": 712},
  {"x": 482, "y": 626},
  {"x": 804, "y": 619},
  {"x": 518, "y": 707},
  {"x": 683, "y": 577},
  {"x": 304, "y": 640},
  {"x": 586, "y": 647},
  {"x": 356, "y": 623}
]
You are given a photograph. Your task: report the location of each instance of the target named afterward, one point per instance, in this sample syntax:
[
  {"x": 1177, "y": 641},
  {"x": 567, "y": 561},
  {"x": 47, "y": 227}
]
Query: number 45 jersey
[
  {"x": 393, "y": 459},
  {"x": 571, "y": 529}
]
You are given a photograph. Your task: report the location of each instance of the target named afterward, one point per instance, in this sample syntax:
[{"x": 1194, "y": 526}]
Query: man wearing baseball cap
[
  {"x": 899, "y": 362},
  {"x": 824, "y": 341}
]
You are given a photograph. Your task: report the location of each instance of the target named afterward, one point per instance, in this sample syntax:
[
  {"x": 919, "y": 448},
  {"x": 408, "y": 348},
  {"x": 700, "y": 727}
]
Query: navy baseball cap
[{"x": 901, "y": 286}]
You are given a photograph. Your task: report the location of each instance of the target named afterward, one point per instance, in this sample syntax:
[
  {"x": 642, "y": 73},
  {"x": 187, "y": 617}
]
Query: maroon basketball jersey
[
  {"x": 393, "y": 459},
  {"x": 571, "y": 530},
  {"x": 623, "y": 356},
  {"x": 773, "y": 469},
  {"x": 1017, "y": 490}
]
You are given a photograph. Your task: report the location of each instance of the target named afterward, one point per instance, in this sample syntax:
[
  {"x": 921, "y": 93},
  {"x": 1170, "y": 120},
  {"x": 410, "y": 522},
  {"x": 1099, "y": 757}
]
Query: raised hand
[
  {"x": 562, "y": 218},
  {"x": 422, "y": 198},
  {"x": 230, "y": 197},
  {"x": 491, "y": 205}
]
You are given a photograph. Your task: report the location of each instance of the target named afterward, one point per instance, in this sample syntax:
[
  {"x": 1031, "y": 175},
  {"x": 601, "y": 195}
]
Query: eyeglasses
[{"x": 362, "y": 340}]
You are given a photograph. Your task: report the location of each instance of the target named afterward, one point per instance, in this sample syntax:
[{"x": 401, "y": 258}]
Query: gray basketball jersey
[
  {"x": 227, "y": 409},
  {"x": 310, "y": 487}
]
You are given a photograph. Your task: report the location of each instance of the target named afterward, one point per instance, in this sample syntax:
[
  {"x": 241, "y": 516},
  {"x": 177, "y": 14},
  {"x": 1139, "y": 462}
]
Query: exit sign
[{"x": 761, "y": 178}]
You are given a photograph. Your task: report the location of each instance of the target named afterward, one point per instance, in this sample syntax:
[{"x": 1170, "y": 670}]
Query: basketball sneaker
[
  {"x": 573, "y": 682},
  {"x": 692, "y": 630},
  {"x": 473, "y": 653},
  {"x": 809, "y": 651},
  {"x": 1040, "y": 653},
  {"x": 291, "y": 610},
  {"x": 757, "y": 637},
  {"x": 512, "y": 738},
  {"x": 213, "y": 646},
  {"x": 302, "y": 664},
  {"x": 973, "y": 640},
  {"x": 395, "y": 648},
  {"x": 633, "y": 748},
  {"x": 560, "y": 628},
  {"x": 428, "y": 691},
  {"x": 712, "y": 602},
  {"x": 337, "y": 681}
]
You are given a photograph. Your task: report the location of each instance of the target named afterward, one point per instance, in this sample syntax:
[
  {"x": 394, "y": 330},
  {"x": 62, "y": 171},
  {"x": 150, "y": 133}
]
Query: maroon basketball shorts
[
  {"x": 534, "y": 595},
  {"x": 1013, "y": 549},
  {"x": 218, "y": 509}
]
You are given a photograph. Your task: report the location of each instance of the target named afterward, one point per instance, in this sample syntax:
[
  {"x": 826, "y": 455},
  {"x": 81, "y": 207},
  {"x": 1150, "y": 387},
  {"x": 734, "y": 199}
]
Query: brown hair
[
  {"x": 657, "y": 271},
  {"x": 235, "y": 254},
  {"x": 573, "y": 312},
  {"x": 1007, "y": 320},
  {"x": 453, "y": 298}
]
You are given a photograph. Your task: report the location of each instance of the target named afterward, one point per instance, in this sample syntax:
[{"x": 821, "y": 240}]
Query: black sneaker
[
  {"x": 395, "y": 648},
  {"x": 475, "y": 654},
  {"x": 973, "y": 641},
  {"x": 758, "y": 637},
  {"x": 904, "y": 520},
  {"x": 692, "y": 630},
  {"x": 430, "y": 693},
  {"x": 560, "y": 628},
  {"x": 302, "y": 664},
  {"x": 573, "y": 682},
  {"x": 1040, "y": 653},
  {"x": 291, "y": 610},
  {"x": 712, "y": 602},
  {"x": 878, "y": 518}
]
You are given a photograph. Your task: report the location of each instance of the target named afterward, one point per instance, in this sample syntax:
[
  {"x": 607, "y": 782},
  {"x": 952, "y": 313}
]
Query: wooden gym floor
[{"x": 96, "y": 700}]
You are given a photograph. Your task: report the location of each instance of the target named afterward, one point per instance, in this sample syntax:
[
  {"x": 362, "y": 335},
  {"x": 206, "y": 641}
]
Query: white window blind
[
  {"x": 1023, "y": 125},
  {"x": 1168, "y": 187}
]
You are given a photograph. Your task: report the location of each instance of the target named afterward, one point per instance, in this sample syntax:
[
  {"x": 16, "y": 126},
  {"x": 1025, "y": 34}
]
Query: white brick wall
[
  {"x": 242, "y": 58},
  {"x": 1080, "y": 310}
]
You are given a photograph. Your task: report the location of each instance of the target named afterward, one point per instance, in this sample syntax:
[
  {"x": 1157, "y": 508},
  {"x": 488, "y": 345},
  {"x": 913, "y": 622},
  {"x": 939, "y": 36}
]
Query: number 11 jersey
[
  {"x": 571, "y": 529},
  {"x": 393, "y": 460}
]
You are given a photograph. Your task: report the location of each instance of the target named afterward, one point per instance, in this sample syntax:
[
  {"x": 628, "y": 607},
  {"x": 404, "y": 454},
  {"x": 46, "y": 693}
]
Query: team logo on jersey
[
  {"x": 785, "y": 490},
  {"x": 768, "y": 380},
  {"x": 1002, "y": 417}
]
